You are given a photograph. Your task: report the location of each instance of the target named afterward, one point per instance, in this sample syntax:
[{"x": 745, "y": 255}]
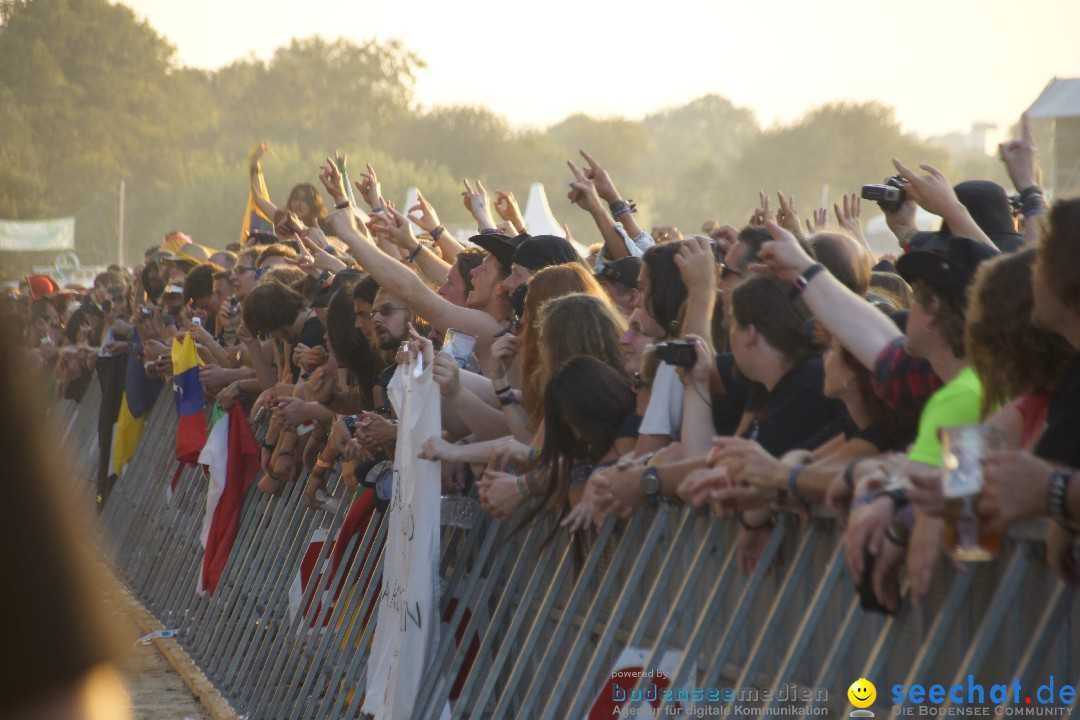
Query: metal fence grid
[{"x": 533, "y": 625}]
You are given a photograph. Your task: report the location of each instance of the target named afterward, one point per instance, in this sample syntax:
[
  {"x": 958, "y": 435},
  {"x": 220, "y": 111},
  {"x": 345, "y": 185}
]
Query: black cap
[
  {"x": 541, "y": 251},
  {"x": 989, "y": 206},
  {"x": 499, "y": 245},
  {"x": 624, "y": 270},
  {"x": 949, "y": 270}
]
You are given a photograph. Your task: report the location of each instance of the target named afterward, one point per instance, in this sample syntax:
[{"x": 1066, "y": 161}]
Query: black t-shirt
[
  {"x": 313, "y": 333},
  {"x": 876, "y": 437},
  {"x": 727, "y": 409},
  {"x": 796, "y": 414},
  {"x": 629, "y": 426},
  {"x": 1060, "y": 442}
]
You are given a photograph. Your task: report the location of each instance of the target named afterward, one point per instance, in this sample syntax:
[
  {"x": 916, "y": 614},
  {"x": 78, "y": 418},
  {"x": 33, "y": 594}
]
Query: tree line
[{"x": 90, "y": 95}]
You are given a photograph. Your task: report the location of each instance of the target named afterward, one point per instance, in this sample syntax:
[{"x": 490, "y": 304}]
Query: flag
[
  {"x": 232, "y": 455},
  {"x": 191, "y": 428},
  {"x": 254, "y": 219},
  {"x": 360, "y": 515},
  {"x": 140, "y": 393},
  {"x": 407, "y": 626}
]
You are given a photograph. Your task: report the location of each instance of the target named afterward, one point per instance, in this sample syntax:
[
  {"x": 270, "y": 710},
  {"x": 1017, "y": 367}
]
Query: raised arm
[
  {"x": 424, "y": 215},
  {"x": 476, "y": 202},
  {"x": 861, "y": 328},
  {"x": 1021, "y": 159},
  {"x": 583, "y": 194},
  {"x": 605, "y": 188},
  {"x": 935, "y": 195},
  {"x": 398, "y": 229},
  {"x": 258, "y": 183},
  {"x": 407, "y": 285},
  {"x": 507, "y": 207}
]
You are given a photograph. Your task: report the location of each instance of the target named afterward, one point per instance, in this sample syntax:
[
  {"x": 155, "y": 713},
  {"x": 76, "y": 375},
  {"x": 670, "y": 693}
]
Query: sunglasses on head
[
  {"x": 385, "y": 310},
  {"x": 637, "y": 383}
]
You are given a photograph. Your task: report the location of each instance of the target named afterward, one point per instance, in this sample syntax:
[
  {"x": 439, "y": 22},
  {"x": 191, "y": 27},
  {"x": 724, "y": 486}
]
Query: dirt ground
[{"x": 156, "y": 691}]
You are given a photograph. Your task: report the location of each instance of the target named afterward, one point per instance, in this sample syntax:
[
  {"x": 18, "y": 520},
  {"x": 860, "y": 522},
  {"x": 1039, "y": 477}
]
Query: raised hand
[
  {"x": 257, "y": 154},
  {"x": 370, "y": 189},
  {"x": 848, "y": 216},
  {"x": 507, "y": 207},
  {"x": 396, "y": 227},
  {"x": 583, "y": 191},
  {"x": 1021, "y": 157},
  {"x": 762, "y": 213},
  {"x": 931, "y": 191},
  {"x": 817, "y": 221},
  {"x": 782, "y": 256},
  {"x": 423, "y": 214},
  {"x": 600, "y": 179},
  {"x": 332, "y": 181},
  {"x": 787, "y": 216},
  {"x": 476, "y": 202}
]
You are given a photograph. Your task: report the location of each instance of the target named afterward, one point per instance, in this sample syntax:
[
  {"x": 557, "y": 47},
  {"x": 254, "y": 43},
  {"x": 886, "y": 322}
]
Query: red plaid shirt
[{"x": 903, "y": 381}]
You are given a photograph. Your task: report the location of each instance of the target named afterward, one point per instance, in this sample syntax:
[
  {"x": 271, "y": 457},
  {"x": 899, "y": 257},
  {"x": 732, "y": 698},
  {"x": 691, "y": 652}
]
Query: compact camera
[
  {"x": 889, "y": 196},
  {"x": 680, "y": 353}
]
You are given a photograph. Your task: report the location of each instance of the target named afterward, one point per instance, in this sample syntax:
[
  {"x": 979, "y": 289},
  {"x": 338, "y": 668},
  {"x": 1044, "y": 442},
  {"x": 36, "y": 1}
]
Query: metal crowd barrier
[{"x": 536, "y": 626}]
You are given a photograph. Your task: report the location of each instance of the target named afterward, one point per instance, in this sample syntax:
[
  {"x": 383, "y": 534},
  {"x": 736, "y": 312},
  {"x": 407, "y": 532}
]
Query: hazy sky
[{"x": 943, "y": 64}]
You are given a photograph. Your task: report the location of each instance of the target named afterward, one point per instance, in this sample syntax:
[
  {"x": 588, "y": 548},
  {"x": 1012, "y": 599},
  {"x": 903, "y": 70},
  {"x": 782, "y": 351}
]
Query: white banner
[
  {"x": 37, "y": 235},
  {"x": 408, "y": 621}
]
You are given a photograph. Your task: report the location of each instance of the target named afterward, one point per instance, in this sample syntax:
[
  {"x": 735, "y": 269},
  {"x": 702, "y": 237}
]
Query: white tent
[{"x": 541, "y": 221}]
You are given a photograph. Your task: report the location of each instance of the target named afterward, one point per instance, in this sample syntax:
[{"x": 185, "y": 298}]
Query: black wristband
[
  {"x": 898, "y": 495},
  {"x": 343, "y": 204},
  {"x": 803, "y": 280}
]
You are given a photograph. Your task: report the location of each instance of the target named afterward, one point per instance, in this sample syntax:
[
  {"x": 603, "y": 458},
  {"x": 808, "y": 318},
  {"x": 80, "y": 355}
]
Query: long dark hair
[
  {"x": 591, "y": 397},
  {"x": 667, "y": 291},
  {"x": 350, "y": 346}
]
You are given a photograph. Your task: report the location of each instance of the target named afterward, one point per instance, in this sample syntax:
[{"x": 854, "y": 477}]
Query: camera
[
  {"x": 147, "y": 311},
  {"x": 889, "y": 196},
  {"x": 680, "y": 353}
]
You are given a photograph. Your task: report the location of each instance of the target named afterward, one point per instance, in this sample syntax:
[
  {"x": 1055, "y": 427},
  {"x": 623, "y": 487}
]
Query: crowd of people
[{"x": 774, "y": 367}]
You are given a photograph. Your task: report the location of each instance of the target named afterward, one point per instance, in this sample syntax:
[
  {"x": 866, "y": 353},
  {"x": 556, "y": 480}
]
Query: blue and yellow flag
[{"x": 140, "y": 393}]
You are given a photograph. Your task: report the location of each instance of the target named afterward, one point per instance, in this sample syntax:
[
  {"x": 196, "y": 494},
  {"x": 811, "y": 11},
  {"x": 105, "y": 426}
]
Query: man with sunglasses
[{"x": 390, "y": 318}]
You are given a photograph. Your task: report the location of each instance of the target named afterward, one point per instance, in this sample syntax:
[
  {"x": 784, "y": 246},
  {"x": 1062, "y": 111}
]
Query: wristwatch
[{"x": 650, "y": 482}]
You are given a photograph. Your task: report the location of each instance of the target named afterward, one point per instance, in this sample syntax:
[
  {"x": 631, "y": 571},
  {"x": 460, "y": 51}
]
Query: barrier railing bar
[
  {"x": 800, "y": 565},
  {"x": 992, "y": 620},
  {"x": 625, "y": 587},
  {"x": 537, "y": 574},
  {"x": 527, "y": 649},
  {"x": 809, "y": 623},
  {"x": 477, "y": 583},
  {"x": 736, "y": 625}
]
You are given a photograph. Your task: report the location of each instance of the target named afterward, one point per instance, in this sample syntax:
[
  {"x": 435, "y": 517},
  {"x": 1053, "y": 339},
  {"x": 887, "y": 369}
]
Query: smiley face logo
[{"x": 862, "y": 693}]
